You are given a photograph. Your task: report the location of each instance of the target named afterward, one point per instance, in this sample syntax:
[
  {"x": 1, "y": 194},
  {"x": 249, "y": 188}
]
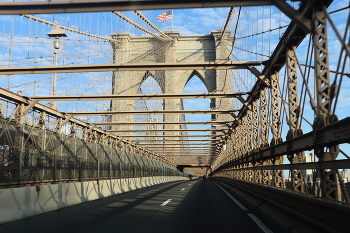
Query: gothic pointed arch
[
  {"x": 207, "y": 78},
  {"x": 158, "y": 76}
]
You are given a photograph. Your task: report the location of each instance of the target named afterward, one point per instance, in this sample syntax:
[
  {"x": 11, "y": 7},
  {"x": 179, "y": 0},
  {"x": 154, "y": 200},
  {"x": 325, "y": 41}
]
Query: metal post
[
  {"x": 53, "y": 103},
  {"x": 329, "y": 177},
  {"x": 256, "y": 139},
  {"x": 110, "y": 169},
  {"x": 54, "y": 169},
  {"x": 128, "y": 170},
  {"x": 245, "y": 142},
  {"x": 18, "y": 145},
  {"x": 111, "y": 156},
  {"x": 255, "y": 124},
  {"x": 249, "y": 146},
  {"x": 264, "y": 133},
  {"x": 43, "y": 155},
  {"x": 75, "y": 155},
  {"x": 98, "y": 170},
  {"x": 98, "y": 161},
  {"x": 61, "y": 151},
  {"x": 55, "y": 76},
  {"x": 80, "y": 170},
  {"x": 20, "y": 157},
  {"x": 56, "y": 35},
  {"x": 278, "y": 179},
  {"x": 41, "y": 137},
  {"x": 297, "y": 176}
]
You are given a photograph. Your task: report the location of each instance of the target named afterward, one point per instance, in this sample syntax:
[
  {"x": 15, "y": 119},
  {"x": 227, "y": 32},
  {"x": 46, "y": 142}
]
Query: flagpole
[{"x": 172, "y": 21}]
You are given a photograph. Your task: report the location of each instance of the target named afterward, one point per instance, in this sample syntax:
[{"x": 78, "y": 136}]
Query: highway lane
[{"x": 184, "y": 206}]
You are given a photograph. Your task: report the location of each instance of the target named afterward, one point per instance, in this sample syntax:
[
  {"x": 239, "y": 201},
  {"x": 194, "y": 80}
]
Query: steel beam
[
  {"x": 172, "y": 150},
  {"x": 30, "y": 106},
  {"x": 147, "y": 112},
  {"x": 293, "y": 36},
  {"x": 278, "y": 178},
  {"x": 164, "y": 130},
  {"x": 183, "y": 148},
  {"x": 42, "y": 108},
  {"x": 140, "y": 96},
  {"x": 164, "y": 123},
  {"x": 297, "y": 175},
  {"x": 221, "y": 65},
  {"x": 52, "y": 7},
  {"x": 171, "y": 136},
  {"x": 175, "y": 140},
  {"x": 263, "y": 105},
  {"x": 323, "y": 89},
  {"x": 172, "y": 144},
  {"x": 294, "y": 15},
  {"x": 335, "y": 133},
  {"x": 336, "y": 164},
  {"x": 184, "y": 155}
]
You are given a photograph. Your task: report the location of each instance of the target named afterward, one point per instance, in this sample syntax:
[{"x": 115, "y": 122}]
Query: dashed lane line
[{"x": 166, "y": 202}]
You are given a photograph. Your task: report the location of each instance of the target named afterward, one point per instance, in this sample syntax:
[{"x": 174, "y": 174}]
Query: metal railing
[{"x": 40, "y": 149}]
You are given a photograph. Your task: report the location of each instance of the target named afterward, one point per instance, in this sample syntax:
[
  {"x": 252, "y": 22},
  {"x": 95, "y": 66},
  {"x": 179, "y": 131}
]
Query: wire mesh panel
[{"x": 31, "y": 155}]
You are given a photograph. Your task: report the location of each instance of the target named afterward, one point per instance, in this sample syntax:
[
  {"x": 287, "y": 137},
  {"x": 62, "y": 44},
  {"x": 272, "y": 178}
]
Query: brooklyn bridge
[{"x": 174, "y": 116}]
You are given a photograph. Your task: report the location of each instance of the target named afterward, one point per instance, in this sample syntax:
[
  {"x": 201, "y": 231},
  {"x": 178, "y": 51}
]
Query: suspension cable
[
  {"x": 67, "y": 28},
  {"x": 138, "y": 26},
  {"x": 152, "y": 25}
]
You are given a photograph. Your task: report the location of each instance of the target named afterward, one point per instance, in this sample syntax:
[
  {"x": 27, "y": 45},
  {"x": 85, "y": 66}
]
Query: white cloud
[{"x": 183, "y": 30}]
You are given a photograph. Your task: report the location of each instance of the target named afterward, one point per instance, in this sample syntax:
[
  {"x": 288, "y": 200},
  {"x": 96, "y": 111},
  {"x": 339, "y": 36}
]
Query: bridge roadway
[{"x": 195, "y": 206}]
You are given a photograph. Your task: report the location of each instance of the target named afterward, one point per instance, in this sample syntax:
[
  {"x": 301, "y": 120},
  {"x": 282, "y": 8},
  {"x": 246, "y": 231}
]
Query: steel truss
[
  {"x": 250, "y": 157},
  {"x": 21, "y": 139},
  {"x": 220, "y": 65}
]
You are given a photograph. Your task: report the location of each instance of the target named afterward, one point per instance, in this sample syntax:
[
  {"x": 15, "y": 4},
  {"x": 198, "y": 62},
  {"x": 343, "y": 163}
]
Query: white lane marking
[
  {"x": 189, "y": 184},
  {"x": 166, "y": 202},
  {"x": 262, "y": 226},
  {"x": 183, "y": 189},
  {"x": 233, "y": 199}
]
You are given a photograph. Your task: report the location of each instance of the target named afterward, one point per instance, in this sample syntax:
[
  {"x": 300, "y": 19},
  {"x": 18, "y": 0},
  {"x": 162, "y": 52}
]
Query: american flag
[{"x": 165, "y": 16}]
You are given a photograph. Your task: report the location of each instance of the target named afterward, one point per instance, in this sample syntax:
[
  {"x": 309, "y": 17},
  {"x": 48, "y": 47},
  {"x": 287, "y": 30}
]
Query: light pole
[{"x": 56, "y": 35}]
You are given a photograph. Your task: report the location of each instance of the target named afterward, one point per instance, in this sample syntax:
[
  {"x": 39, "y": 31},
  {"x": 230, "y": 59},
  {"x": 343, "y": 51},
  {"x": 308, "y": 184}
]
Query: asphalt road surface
[{"x": 184, "y": 206}]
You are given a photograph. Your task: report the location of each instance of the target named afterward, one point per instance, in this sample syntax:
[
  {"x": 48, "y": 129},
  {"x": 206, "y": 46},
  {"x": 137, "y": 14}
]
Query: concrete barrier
[{"x": 19, "y": 203}]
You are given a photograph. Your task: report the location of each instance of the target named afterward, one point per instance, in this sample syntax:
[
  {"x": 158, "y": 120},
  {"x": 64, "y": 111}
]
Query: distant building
[
  {"x": 308, "y": 173},
  {"x": 345, "y": 175}
]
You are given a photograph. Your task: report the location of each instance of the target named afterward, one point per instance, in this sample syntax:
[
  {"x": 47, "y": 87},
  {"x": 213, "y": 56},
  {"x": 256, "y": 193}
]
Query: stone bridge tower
[{"x": 183, "y": 48}]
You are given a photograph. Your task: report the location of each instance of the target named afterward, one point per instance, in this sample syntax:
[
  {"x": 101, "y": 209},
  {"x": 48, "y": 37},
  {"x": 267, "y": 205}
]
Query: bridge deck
[{"x": 195, "y": 206}]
